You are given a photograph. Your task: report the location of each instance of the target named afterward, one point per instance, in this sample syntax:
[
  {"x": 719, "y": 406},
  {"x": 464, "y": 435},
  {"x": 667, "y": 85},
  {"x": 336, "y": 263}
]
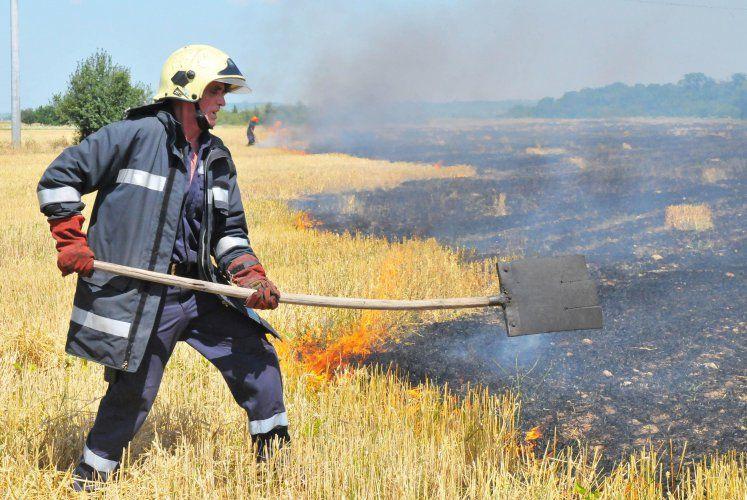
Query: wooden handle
[{"x": 301, "y": 299}]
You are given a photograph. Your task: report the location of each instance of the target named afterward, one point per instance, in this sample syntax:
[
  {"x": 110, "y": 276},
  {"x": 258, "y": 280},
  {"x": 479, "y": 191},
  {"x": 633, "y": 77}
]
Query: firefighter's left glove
[
  {"x": 74, "y": 254},
  {"x": 246, "y": 272}
]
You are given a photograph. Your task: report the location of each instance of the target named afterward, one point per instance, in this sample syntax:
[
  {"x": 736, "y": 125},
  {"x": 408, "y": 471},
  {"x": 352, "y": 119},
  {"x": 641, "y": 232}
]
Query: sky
[{"x": 352, "y": 51}]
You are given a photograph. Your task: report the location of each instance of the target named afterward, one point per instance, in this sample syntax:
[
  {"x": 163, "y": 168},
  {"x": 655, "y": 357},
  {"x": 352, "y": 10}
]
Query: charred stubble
[{"x": 669, "y": 364}]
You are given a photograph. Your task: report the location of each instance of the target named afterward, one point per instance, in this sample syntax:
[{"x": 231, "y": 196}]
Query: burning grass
[
  {"x": 358, "y": 432},
  {"x": 689, "y": 217},
  {"x": 305, "y": 221}
]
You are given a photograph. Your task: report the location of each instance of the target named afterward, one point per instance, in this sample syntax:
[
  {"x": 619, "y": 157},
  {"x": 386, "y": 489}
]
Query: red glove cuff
[
  {"x": 244, "y": 266},
  {"x": 68, "y": 231},
  {"x": 74, "y": 254},
  {"x": 246, "y": 271}
]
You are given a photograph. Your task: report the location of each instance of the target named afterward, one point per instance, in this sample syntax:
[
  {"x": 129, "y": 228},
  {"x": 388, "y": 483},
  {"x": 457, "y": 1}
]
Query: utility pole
[{"x": 15, "y": 111}]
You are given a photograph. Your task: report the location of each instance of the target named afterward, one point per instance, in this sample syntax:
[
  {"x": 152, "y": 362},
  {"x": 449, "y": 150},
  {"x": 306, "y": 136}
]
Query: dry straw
[{"x": 689, "y": 217}]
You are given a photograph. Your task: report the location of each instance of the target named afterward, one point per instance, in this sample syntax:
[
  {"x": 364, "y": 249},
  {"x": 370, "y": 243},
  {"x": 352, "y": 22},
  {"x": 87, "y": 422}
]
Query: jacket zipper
[
  {"x": 206, "y": 227},
  {"x": 153, "y": 257}
]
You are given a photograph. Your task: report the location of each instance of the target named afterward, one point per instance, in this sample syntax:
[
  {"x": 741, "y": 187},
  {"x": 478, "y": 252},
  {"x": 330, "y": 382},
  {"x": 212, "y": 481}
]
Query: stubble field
[{"x": 357, "y": 432}]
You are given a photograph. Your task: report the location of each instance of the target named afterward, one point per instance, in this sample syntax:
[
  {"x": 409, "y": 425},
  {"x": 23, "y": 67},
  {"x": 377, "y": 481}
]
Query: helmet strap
[{"x": 202, "y": 120}]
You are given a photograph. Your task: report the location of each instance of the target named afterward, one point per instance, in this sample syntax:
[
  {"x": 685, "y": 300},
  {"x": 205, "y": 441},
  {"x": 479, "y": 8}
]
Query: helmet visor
[{"x": 235, "y": 85}]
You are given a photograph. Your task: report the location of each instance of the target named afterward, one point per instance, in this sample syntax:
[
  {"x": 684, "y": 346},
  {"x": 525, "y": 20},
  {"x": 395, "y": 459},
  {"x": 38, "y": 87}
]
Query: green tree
[
  {"x": 98, "y": 93},
  {"x": 45, "y": 114},
  {"x": 696, "y": 81}
]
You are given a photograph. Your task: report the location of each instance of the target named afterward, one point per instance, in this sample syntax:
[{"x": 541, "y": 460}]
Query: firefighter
[
  {"x": 250, "y": 138},
  {"x": 167, "y": 201}
]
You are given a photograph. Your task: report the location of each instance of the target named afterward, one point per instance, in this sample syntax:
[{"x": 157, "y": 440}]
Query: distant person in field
[
  {"x": 167, "y": 201},
  {"x": 250, "y": 139}
]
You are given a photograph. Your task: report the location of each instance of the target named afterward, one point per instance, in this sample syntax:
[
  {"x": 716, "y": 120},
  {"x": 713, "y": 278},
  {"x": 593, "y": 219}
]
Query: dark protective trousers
[{"x": 238, "y": 348}]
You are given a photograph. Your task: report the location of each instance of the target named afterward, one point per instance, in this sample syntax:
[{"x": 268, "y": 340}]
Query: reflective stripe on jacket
[{"x": 137, "y": 165}]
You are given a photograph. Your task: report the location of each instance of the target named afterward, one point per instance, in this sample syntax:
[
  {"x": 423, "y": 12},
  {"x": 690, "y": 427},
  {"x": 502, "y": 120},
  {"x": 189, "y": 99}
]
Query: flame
[
  {"x": 530, "y": 441},
  {"x": 438, "y": 164},
  {"x": 533, "y": 434},
  {"x": 364, "y": 335},
  {"x": 300, "y": 152},
  {"x": 304, "y": 221},
  {"x": 352, "y": 346},
  {"x": 283, "y": 137},
  {"x": 276, "y": 135}
]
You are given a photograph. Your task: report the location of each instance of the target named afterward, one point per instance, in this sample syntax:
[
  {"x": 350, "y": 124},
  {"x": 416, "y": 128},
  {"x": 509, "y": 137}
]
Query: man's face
[{"x": 213, "y": 98}]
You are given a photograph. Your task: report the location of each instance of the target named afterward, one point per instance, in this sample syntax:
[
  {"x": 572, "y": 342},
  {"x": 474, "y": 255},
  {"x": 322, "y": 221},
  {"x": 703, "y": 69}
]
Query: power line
[{"x": 693, "y": 5}]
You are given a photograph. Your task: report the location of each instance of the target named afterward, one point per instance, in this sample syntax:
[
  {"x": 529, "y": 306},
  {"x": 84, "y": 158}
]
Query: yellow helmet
[{"x": 189, "y": 70}]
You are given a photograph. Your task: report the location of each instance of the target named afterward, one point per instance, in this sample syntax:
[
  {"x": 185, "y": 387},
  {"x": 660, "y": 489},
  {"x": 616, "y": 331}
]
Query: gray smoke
[{"x": 459, "y": 52}]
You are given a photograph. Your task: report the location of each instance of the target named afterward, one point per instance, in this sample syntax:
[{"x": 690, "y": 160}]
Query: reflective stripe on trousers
[{"x": 230, "y": 341}]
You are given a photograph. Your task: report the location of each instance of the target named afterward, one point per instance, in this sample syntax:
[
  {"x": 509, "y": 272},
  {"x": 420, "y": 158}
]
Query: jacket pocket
[{"x": 102, "y": 318}]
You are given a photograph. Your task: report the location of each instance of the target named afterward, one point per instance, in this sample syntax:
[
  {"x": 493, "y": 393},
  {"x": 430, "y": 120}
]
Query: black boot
[
  {"x": 265, "y": 443},
  {"x": 86, "y": 478}
]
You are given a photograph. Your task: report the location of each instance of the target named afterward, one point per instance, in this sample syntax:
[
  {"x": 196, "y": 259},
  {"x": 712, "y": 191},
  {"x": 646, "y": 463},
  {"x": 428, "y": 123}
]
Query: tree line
[
  {"x": 695, "y": 95},
  {"x": 99, "y": 91}
]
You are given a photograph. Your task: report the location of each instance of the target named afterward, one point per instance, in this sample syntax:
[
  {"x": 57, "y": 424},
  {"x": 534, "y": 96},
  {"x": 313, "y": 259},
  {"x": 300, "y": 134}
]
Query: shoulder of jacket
[
  {"x": 129, "y": 128},
  {"x": 115, "y": 132},
  {"x": 144, "y": 123},
  {"x": 217, "y": 143}
]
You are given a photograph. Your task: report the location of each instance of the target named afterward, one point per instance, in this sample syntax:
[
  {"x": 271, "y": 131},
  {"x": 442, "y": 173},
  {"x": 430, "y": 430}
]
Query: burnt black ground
[{"x": 670, "y": 362}]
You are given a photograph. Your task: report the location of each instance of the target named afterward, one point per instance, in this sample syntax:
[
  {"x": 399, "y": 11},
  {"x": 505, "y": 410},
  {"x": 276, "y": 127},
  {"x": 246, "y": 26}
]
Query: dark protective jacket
[
  {"x": 250, "y": 138},
  {"x": 139, "y": 167}
]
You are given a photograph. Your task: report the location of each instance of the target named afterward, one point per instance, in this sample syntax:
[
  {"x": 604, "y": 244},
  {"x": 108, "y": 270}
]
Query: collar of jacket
[{"x": 174, "y": 130}]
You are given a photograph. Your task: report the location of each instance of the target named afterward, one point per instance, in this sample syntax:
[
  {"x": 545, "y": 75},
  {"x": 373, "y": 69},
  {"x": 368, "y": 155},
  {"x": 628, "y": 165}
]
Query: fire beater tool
[{"x": 538, "y": 295}]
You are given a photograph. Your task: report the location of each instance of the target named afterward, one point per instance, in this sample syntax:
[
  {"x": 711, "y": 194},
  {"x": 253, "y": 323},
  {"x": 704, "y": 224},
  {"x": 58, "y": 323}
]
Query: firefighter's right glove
[
  {"x": 246, "y": 272},
  {"x": 74, "y": 254}
]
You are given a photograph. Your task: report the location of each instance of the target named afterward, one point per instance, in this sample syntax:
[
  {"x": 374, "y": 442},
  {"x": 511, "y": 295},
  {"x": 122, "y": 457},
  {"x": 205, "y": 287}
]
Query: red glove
[
  {"x": 246, "y": 272},
  {"x": 74, "y": 254}
]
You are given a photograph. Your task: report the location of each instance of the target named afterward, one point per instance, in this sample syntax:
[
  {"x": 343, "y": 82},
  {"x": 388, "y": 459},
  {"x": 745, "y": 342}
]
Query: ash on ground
[{"x": 670, "y": 362}]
